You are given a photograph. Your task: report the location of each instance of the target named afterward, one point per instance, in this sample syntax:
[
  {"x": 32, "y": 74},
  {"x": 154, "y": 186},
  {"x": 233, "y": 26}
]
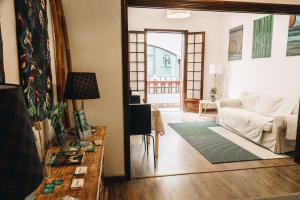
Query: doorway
[
  {"x": 165, "y": 64},
  {"x": 227, "y": 6}
]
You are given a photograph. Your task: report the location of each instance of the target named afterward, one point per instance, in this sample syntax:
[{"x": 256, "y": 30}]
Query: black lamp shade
[
  {"x": 81, "y": 85},
  {"x": 20, "y": 167}
]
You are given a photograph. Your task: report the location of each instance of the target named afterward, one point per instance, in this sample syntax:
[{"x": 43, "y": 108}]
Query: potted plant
[
  {"x": 56, "y": 121},
  {"x": 213, "y": 94}
]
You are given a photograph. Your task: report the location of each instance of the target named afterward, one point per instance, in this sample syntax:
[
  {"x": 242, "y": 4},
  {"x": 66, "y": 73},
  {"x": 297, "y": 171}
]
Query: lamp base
[{"x": 93, "y": 128}]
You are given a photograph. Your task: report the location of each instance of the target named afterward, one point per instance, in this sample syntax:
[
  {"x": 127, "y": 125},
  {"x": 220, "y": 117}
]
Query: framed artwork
[
  {"x": 293, "y": 44},
  {"x": 262, "y": 37},
  {"x": 2, "y": 75},
  {"x": 235, "y": 43},
  {"x": 83, "y": 129},
  {"x": 34, "y": 57}
]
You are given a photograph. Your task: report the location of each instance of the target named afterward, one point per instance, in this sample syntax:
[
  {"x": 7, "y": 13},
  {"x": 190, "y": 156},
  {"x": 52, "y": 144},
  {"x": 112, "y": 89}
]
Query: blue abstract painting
[{"x": 293, "y": 46}]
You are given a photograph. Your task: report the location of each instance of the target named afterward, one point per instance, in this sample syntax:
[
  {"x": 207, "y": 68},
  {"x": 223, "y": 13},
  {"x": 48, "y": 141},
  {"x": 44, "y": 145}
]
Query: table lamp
[
  {"x": 81, "y": 86},
  {"x": 20, "y": 166}
]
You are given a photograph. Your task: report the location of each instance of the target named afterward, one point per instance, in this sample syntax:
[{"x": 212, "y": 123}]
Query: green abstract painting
[
  {"x": 262, "y": 37},
  {"x": 293, "y": 45}
]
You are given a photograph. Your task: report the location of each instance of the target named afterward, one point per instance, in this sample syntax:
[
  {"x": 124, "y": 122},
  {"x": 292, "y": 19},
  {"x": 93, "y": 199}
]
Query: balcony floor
[{"x": 165, "y": 100}]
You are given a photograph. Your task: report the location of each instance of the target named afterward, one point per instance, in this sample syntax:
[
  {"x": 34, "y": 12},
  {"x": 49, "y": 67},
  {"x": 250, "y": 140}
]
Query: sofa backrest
[
  {"x": 296, "y": 109},
  {"x": 268, "y": 105}
]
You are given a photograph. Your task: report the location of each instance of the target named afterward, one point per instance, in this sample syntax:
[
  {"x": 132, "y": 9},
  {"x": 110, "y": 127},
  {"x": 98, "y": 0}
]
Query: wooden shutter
[
  {"x": 194, "y": 71},
  {"x": 137, "y": 63}
]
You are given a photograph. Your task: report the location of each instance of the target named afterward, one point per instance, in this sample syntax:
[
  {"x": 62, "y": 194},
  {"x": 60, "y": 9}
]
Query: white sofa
[{"x": 268, "y": 121}]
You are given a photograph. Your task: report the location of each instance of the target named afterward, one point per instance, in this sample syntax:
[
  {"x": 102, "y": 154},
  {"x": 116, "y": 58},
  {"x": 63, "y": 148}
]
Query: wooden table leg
[
  {"x": 200, "y": 109},
  {"x": 156, "y": 144}
]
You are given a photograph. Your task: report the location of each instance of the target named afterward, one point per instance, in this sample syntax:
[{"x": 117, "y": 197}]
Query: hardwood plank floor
[
  {"x": 176, "y": 156},
  {"x": 226, "y": 185},
  {"x": 182, "y": 173}
]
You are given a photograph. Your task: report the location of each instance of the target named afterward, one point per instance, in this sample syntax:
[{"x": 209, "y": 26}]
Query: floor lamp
[{"x": 215, "y": 69}]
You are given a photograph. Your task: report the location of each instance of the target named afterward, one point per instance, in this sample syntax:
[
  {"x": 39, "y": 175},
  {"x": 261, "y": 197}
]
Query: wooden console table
[{"x": 93, "y": 187}]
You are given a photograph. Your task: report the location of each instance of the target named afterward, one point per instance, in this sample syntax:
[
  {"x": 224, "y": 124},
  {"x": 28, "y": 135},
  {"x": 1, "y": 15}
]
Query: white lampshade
[
  {"x": 215, "y": 69},
  {"x": 178, "y": 14}
]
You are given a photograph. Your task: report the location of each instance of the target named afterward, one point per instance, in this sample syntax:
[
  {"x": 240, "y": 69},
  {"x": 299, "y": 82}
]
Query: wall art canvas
[
  {"x": 34, "y": 56},
  {"x": 293, "y": 45},
  {"x": 2, "y": 75},
  {"x": 262, "y": 37},
  {"x": 235, "y": 43}
]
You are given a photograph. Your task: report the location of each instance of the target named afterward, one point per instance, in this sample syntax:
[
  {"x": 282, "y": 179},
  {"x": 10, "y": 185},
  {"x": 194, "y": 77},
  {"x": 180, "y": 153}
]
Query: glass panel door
[
  {"x": 194, "y": 71},
  {"x": 137, "y": 65}
]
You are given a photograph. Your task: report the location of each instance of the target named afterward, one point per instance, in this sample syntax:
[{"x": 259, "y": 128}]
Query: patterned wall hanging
[
  {"x": 2, "y": 76},
  {"x": 293, "y": 45},
  {"x": 262, "y": 37},
  {"x": 235, "y": 43},
  {"x": 34, "y": 56}
]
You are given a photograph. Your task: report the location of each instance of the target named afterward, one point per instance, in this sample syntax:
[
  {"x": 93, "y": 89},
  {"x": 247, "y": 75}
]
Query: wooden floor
[
  {"x": 176, "y": 156},
  {"x": 183, "y": 173},
  {"x": 228, "y": 185}
]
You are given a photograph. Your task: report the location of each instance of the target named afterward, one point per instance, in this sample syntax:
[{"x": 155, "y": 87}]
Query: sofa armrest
[
  {"x": 291, "y": 126},
  {"x": 279, "y": 124},
  {"x": 233, "y": 103}
]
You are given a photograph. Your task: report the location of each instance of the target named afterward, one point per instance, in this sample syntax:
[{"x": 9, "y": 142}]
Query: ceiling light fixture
[{"x": 178, "y": 14}]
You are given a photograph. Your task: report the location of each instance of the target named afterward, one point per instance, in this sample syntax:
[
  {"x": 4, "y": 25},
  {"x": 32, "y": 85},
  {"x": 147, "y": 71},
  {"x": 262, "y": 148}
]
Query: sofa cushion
[
  {"x": 268, "y": 105},
  {"x": 249, "y": 100},
  {"x": 287, "y": 107},
  {"x": 245, "y": 122}
]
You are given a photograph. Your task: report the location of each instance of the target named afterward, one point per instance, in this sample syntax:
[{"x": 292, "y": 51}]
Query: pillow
[
  {"x": 268, "y": 105},
  {"x": 287, "y": 107},
  {"x": 249, "y": 101}
]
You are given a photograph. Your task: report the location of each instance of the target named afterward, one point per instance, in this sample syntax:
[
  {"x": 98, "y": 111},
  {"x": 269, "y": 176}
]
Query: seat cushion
[{"x": 245, "y": 122}]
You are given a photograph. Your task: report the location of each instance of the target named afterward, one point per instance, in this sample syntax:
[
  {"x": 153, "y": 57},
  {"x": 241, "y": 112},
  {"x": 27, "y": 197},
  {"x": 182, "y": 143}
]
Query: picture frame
[
  {"x": 83, "y": 129},
  {"x": 235, "y": 43},
  {"x": 262, "y": 37},
  {"x": 293, "y": 43}
]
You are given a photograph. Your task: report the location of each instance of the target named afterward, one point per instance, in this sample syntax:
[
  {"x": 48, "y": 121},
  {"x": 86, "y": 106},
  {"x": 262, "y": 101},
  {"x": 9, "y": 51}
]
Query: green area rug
[{"x": 211, "y": 145}]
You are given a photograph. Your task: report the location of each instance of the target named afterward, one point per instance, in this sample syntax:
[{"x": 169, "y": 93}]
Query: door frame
[
  {"x": 184, "y": 32},
  {"x": 206, "y": 5}
]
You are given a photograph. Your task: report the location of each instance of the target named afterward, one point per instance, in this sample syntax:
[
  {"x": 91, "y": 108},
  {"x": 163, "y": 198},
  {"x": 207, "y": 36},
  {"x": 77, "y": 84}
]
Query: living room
[
  {"x": 232, "y": 66},
  {"x": 93, "y": 36}
]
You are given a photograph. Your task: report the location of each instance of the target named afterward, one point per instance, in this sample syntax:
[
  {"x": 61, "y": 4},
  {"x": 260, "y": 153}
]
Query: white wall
[
  {"x": 210, "y": 22},
  {"x": 8, "y": 29},
  {"x": 94, "y": 29},
  {"x": 277, "y": 75}
]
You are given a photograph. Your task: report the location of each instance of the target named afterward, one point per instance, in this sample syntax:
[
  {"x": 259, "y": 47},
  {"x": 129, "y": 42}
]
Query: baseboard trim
[{"x": 112, "y": 179}]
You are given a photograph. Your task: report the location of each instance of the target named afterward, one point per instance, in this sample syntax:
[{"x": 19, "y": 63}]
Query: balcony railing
[{"x": 163, "y": 85}]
